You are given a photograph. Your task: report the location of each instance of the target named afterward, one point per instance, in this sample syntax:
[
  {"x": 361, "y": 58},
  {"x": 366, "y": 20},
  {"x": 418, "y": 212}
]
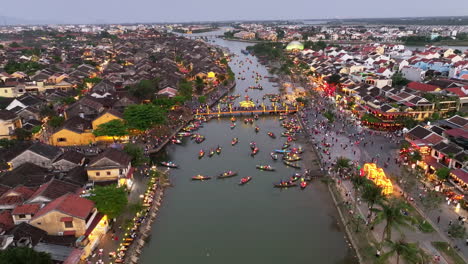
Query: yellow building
[
  {"x": 65, "y": 216},
  {"x": 74, "y": 132},
  {"x": 111, "y": 165},
  {"x": 106, "y": 117},
  {"x": 9, "y": 121}
]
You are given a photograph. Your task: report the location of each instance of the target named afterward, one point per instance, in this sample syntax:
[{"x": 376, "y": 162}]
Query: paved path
[{"x": 347, "y": 140}]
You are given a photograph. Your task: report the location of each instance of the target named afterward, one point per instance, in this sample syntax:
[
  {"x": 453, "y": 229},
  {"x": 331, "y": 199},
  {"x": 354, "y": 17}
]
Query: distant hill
[{"x": 446, "y": 20}]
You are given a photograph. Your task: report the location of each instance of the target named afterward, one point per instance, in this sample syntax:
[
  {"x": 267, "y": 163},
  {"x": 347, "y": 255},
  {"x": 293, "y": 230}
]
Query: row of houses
[{"x": 43, "y": 198}]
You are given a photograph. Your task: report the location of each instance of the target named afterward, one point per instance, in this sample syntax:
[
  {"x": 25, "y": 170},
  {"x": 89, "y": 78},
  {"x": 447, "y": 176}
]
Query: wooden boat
[
  {"x": 227, "y": 174},
  {"x": 294, "y": 178},
  {"x": 274, "y": 156},
  {"x": 282, "y": 151},
  {"x": 233, "y": 119},
  {"x": 199, "y": 139},
  {"x": 234, "y": 141},
  {"x": 200, "y": 178},
  {"x": 184, "y": 134},
  {"x": 218, "y": 150},
  {"x": 297, "y": 150},
  {"x": 265, "y": 167},
  {"x": 303, "y": 185},
  {"x": 201, "y": 153},
  {"x": 285, "y": 146},
  {"x": 291, "y": 164},
  {"x": 245, "y": 180},
  {"x": 291, "y": 158},
  {"x": 271, "y": 134},
  {"x": 212, "y": 152},
  {"x": 176, "y": 141},
  {"x": 252, "y": 145},
  {"x": 257, "y": 129},
  {"x": 284, "y": 184},
  {"x": 233, "y": 125},
  {"x": 254, "y": 152},
  {"x": 169, "y": 164}
]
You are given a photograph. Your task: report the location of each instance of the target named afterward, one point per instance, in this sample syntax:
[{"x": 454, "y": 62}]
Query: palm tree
[
  {"x": 358, "y": 183},
  {"x": 372, "y": 194},
  {"x": 342, "y": 163},
  {"x": 392, "y": 213},
  {"x": 410, "y": 252}
]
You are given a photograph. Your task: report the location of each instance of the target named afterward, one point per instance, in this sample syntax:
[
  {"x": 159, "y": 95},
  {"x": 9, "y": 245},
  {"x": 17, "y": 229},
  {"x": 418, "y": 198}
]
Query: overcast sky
[{"x": 122, "y": 11}]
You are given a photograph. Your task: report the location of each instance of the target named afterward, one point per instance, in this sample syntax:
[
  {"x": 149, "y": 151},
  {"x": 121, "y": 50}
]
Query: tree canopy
[
  {"x": 113, "y": 128},
  {"x": 110, "y": 199},
  {"x": 186, "y": 89},
  {"x": 145, "y": 89},
  {"x": 136, "y": 152},
  {"x": 56, "y": 121},
  {"x": 24, "y": 255},
  {"x": 443, "y": 173},
  {"x": 144, "y": 116}
]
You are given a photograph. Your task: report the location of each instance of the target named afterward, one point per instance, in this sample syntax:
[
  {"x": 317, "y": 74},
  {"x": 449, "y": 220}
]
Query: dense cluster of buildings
[
  {"x": 86, "y": 76},
  {"x": 367, "y": 73},
  {"x": 343, "y": 32}
]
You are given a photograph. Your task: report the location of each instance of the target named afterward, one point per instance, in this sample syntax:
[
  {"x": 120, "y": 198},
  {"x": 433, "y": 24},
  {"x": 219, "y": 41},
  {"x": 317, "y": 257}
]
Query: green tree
[
  {"x": 144, "y": 116},
  {"x": 47, "y": 111},
  {"x": 457, "y": 231},
  {"x": 334, "y": 79},
  {"x": 22, "y": 134},
  {"x": 410, "y": 252},
  {"x": 15, "y": 45},
  {"x": 186, "y": 89},
  {"x": 280, "y": 33},
  {"x": 165, "y": 103},
  {"x": 432, "y": 200},
  {"x": 398, "y": 79},
  {"x": 342, "y": 163},
  {"x": 36, "y": 129},
  {"x": 113, "y": 128},
  {"x": 202, "y": 99},
  {"x": 137, "y": 154},
  {"x": 24, "y": 255},
  {"x": 443, "y": 173},
  {"x": 7, "y": 143},
  {"x": 145, "y": 89},
  {"x": 414, "y": 156},
  {"x": 56, "y": 121},
  {"x": 199, "y": 85},
  {"x": 68, "y": 100},
  {"x": 392, "y": 214},
  {"x": 372, "y": 194},
  {"x": 110, "y": 199}
]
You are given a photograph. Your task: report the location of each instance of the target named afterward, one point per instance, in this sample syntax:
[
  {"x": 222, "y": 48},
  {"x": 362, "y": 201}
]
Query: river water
[{"x": 218, "y": 221}]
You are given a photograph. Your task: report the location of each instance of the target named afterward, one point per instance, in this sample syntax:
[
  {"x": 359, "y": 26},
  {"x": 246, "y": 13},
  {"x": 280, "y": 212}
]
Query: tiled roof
[
  {"x": 54, "y": 189},
  {"x": 7, "y": 115},
  {"x": 27, "y": 174},
  {"x": 458, "y": 120},
  {"x": 6, "y": 220},
  {"x": 26, "y": 230},
  {"x": 70, "y": 204},
  {"x": 26, "y": 209},
  {"x": 113, "y": 154},
  {"x": 457, "y": 132},
  {"x": 421, "y": 87},
  {"x": 434, "y": 139},
  {"x": 419, "y": 132},
  {"x": 71, "y": 156}
]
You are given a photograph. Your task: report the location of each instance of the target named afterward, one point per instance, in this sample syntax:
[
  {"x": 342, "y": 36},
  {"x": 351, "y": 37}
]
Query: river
[{"x": 218, "y": 221}]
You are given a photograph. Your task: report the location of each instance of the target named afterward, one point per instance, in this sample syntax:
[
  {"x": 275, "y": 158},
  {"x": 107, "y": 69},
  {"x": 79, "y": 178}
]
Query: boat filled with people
[
  {"x": 201, "y": 153},
  {"x": 169, "y": 164},
  {"x": 227, "y": 174},
  {"x": 200, "y": 178},
  {"x": 234, "y": 141},
  {"x": 284, "y": 184},
  {"x": 265, "y": 167},
  {"x": 245, "y": 180},
  {"x": 271, "y": 134}
]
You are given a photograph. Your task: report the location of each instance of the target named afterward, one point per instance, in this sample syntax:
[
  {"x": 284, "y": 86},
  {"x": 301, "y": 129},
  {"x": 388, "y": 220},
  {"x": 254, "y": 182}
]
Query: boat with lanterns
[
  {"x": 227, "y": 174},
  {"x": 200, "y": 178},
  {"x": 245, "y": 180},
  {"x": 265, "y": 167},
  {"x": 169, "y": 164}
]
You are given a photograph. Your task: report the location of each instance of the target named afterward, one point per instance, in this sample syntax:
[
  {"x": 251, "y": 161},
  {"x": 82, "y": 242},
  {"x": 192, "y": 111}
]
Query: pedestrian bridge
[{"x": 264, "y": 111}]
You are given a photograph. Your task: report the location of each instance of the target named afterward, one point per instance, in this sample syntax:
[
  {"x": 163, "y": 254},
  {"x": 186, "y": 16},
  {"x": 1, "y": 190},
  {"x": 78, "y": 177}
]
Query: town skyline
[{"x": 89, "y": 12}]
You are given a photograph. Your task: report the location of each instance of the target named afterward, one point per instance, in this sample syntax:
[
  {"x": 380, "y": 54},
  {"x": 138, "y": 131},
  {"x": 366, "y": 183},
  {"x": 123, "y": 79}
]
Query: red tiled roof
[
  {"x": 93, "y": 224},
  {"x": 422, "y": 87},
  {"x": 26, "y": 209},
  {"x": 6, "y": 220},
  {"x": 457, "y": 132},
  {"x": 74, "y": 257},
  {"x": 434, "y": 139},
  {"x": 381, "y": 70},
  {"x": 70, "y": 204},
  {"x": 457, "y": 90}
]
